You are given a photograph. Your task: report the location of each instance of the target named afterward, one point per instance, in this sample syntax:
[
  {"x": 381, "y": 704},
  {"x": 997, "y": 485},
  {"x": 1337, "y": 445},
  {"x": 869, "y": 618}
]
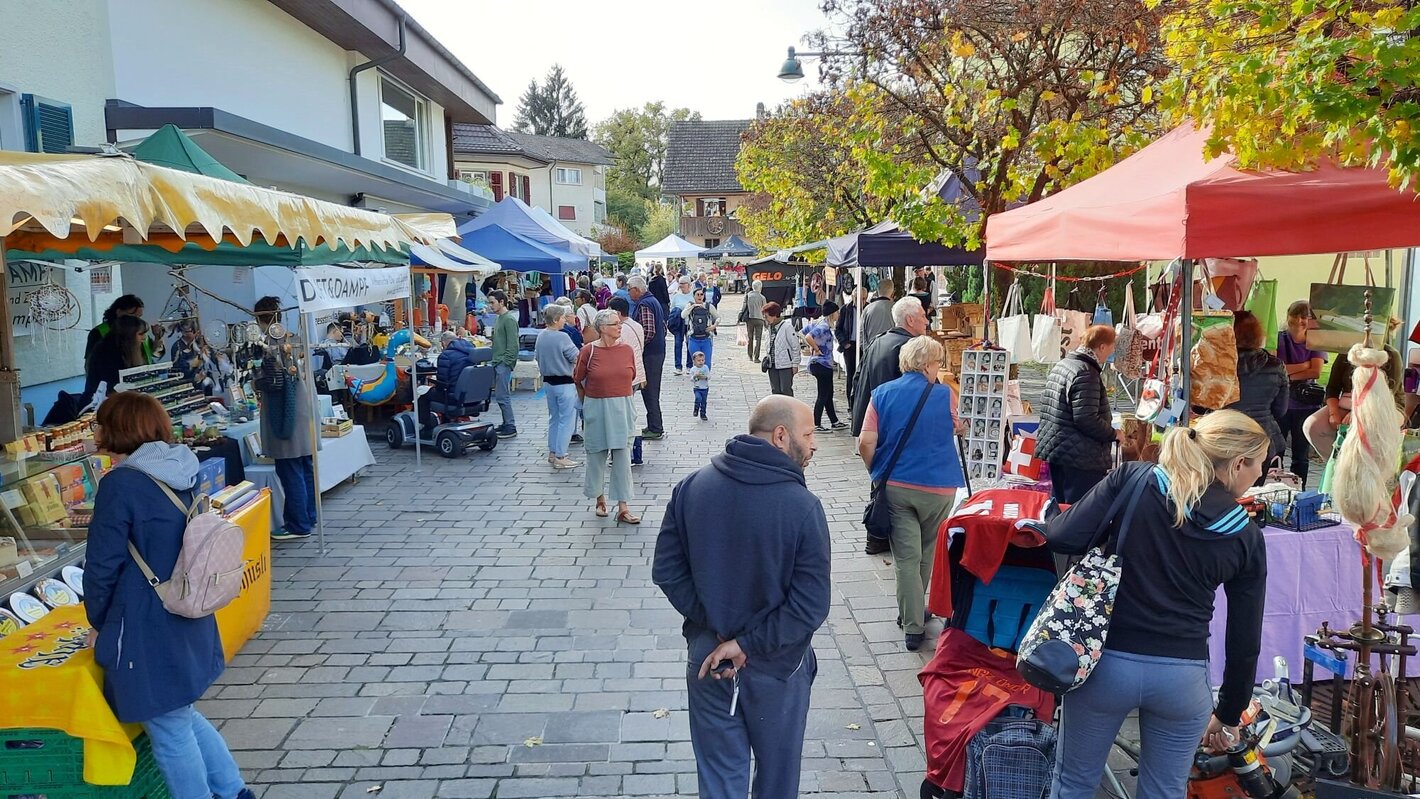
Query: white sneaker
[
  {"x": 565, "y": 463},
  {"x": 678, "y": 373}
]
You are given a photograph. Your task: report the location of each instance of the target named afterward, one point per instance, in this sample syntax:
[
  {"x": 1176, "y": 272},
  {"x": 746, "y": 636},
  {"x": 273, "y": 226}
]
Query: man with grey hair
[
  {"x": 877, "y": 314},
  {"x": 648, "y": 312},
  {"x": 880, "y": 365},
  {"x": 744, "y": 555}
]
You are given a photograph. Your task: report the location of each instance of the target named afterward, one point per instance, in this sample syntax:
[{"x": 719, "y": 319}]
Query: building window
[
  {"x": 598, "y": 212},
  {"x": 567, "y": 212},
  {"x": 404, "y": 120},
  {"x": 711, "y": 244},
  {"x": 571, "y": 177},
  {"x": 711, "y": 206}
]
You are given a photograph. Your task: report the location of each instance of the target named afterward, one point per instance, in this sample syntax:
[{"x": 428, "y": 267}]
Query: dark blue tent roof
[
  {"x": 519, "y": 253},
  {"x": 885, "y": 244},
  {"x": 733, "y": 247}
]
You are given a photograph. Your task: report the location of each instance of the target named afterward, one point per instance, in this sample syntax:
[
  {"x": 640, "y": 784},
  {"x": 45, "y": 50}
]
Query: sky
[{"x": 718, "y": 57}]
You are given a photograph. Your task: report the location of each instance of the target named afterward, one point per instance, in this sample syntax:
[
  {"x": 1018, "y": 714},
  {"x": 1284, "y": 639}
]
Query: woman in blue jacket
[{"x": 156, "y": 664}]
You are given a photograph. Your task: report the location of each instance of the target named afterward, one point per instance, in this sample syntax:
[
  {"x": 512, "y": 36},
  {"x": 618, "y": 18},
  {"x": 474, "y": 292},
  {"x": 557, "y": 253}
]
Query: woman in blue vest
[{"x": 923, "y": 482}]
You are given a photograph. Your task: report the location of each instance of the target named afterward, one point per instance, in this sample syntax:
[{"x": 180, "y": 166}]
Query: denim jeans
[
  {"x": 561, "y": 417},
  {"x": 1174, "y": 703},
  {"x": 192, "y": 756},
  {"x": 705, "y": 345},
  {"x": 298, "y": 483},
  {"x": 503, "y": 391},
  {"x": 680, "y": 350},
  {"x": 702, "y": 399}
]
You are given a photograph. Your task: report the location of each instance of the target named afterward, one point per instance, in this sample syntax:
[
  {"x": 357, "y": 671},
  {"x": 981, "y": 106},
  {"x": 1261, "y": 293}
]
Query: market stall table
[
  {"x": 49, "y": 659},
  {"x": 1312, "y": 577},
  {"x": 339, "y": 460},
  {"x": 243, "y": 616}
]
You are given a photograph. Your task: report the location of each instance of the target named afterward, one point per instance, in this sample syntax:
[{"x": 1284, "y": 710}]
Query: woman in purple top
[
  {"x": 820, "y": 338},
  {"x": 1303, "y": 368}
]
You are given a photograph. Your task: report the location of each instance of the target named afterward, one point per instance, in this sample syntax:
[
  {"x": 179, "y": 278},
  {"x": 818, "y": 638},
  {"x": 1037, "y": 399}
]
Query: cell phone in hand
[{"x": 723, "y": 666}]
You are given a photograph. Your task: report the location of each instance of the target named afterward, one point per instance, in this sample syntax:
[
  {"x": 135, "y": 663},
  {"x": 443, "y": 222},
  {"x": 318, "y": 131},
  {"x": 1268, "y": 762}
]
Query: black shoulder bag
[{"x": 877, "y": 516}]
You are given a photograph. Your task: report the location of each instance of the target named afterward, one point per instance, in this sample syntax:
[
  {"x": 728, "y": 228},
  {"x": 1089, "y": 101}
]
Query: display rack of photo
[{"x": 984, "y": 374}]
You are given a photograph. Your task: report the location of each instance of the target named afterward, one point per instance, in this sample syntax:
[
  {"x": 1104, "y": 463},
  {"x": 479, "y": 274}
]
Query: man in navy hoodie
[{"x": 744, "y": 555}]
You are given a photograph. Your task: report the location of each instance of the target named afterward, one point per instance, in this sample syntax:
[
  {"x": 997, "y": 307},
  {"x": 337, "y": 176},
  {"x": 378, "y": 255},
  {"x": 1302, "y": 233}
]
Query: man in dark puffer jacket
[{"x": 1076, "y": 423}]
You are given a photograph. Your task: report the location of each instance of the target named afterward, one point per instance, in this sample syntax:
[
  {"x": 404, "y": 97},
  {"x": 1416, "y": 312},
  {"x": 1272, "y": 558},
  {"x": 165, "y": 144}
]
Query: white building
[
  {"x": 349, "y": 101},
  {"x": 565, "y": 177}
]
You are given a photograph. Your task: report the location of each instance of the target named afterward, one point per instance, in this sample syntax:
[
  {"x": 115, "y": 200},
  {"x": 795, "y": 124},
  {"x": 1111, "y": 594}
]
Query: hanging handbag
[
  {"x": 1340, "y": 310},
  {"x": 877, "y": 516},
  {"x": 1045, "y": 328},
  {"x": 1129, "y": 344},
  {"x": 1064, "y": 643},
  {"x": 1014, "y": 326}
]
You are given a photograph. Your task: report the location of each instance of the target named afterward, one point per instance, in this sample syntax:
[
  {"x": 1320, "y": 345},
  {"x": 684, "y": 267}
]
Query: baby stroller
[{"x": 982, "y": 720}]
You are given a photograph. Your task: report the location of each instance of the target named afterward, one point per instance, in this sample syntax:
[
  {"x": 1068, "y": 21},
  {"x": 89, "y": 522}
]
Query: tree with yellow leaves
[
  {"x": 1282, "y": 84},
  {"x": 1017, "y": 98}
]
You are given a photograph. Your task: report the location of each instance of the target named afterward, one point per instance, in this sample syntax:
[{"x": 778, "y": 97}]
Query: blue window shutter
[{"x": 49, "y": 125}]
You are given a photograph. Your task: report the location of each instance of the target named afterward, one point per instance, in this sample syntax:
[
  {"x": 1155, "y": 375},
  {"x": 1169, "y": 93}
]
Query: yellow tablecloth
[{"x": 49, "y": 679}]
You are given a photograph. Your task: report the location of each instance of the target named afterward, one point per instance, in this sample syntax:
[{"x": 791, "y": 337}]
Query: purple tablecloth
[{"x": 1311, "y": 578}]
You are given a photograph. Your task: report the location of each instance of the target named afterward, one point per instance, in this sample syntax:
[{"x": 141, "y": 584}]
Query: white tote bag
[
  {"x": 1014, "y": 327},
  {"x": 1045, "y": 330}
]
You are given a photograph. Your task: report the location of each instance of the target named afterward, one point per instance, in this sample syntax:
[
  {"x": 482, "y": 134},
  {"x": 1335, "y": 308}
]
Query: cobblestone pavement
[{"x": 467, "y": 607}]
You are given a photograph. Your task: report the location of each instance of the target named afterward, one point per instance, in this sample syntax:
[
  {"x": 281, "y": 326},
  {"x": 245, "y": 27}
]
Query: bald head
[{"x": 786, "y": 423}]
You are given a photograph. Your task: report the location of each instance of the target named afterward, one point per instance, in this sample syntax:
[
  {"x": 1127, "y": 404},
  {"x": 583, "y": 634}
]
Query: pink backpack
[{"x": 208, "y": 572}]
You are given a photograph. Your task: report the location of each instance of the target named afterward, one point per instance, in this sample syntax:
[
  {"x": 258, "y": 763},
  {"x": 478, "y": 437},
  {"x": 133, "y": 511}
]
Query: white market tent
[
  {"x": 671, "y": 246},
  {"x": 514, "y": 216}
]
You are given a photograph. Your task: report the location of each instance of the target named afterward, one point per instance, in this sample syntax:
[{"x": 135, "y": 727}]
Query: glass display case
[{"x": 46, "y": 503}]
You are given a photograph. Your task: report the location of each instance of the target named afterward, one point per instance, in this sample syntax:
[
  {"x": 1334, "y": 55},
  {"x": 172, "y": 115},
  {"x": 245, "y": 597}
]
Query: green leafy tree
[
  {"x": 1018, "y": 98},
  {"x": 625, "y": 208},
  {"x": 552, "y": 108},
  {"x": 661, "y": 221},
  {"x": 809, "y": 178},
  {"x": 636, "y": 138},
  {"x": 1284, "y": 83}
]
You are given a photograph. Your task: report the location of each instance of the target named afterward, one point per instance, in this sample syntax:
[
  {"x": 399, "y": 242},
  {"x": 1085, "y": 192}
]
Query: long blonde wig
[
  {"x": 1191, "y": 457},
  {"x": 1365, "y": 468}
]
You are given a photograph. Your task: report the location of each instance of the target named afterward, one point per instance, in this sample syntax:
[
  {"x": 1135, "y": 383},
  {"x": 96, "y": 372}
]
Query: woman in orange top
[{"x": 605, "y": 371}]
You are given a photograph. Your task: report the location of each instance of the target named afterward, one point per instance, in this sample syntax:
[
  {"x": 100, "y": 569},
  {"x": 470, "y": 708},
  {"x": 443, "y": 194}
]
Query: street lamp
[{"x": 792, "y": 71}]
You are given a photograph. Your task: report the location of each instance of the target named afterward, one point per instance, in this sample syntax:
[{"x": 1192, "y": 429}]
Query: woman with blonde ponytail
[{"x": 1187, "y": 536}]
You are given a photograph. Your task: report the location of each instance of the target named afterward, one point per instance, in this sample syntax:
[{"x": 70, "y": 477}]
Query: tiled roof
[
  {"x": 554, "y": 148},
  {"x": 488, "y": 139},
  {"x": 700, "y": 156},
  {"x": 400, "y": 138}
]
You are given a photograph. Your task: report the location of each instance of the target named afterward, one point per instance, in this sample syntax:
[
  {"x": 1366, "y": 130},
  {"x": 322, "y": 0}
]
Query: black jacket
[
  {"x": 744, "y": 553},
  {"x": 1076, "y": 423},
  {"x": 660, "y": 290},
  {"x": 846, "y": 330},
  {"x": 879, "y": 365},
  {"x": 1265, "y": 386},
  {"x": 1171, "y": 575},
  {"x": 452, "y": 361}
]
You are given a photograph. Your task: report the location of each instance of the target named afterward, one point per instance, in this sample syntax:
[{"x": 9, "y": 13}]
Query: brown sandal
[
  {"x": 626, "y": 517},
  {"x": 601, "y": 507}
]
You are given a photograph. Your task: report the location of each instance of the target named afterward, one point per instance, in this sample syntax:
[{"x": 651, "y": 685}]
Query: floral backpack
[{"x": 1066, "y": 640}]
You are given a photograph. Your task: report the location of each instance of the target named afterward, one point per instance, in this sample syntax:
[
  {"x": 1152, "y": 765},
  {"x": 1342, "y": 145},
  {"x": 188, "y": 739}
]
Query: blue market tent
[
  {"x": 516, "y": 216},
  {"x": 519, "y": 253}
]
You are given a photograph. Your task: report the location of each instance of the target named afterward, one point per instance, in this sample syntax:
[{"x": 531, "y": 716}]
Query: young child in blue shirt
[{"x": 700, "y": 384}]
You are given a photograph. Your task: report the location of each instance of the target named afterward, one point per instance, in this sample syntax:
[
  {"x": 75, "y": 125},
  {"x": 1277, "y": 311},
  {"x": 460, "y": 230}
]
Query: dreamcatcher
[{"x": 54, "y": 307}]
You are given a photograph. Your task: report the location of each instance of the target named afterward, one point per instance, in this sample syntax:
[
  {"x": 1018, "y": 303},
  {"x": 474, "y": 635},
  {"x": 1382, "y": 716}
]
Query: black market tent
[{"x": 733, "y": 247}]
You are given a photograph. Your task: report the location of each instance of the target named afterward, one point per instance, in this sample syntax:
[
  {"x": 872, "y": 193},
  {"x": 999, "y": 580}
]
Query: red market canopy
[{"x": 1169, "y": 201}]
